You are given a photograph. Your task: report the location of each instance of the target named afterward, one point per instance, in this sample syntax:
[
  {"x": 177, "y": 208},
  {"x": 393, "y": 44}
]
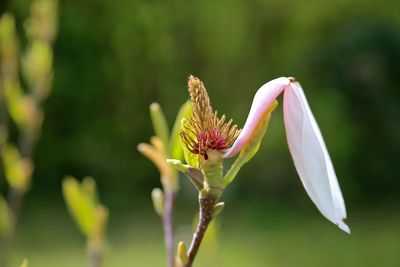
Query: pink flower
[{"x": 306, "y": 145}]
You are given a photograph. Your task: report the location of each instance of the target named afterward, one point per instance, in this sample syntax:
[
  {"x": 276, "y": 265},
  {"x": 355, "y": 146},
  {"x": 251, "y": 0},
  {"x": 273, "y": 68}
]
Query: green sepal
[
  {"x": 177, "y": 164},
  {"x": 250, "y": 149},
  {"x": 194, "y": 174},
  {"x": 175, "y": 148}
]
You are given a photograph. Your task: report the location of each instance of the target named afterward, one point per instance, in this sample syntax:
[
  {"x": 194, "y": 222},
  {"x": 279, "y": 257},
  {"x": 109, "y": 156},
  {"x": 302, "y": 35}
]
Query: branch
[
  {"x": 167, "y": 218},
  {"x": 206, "y": 214}
]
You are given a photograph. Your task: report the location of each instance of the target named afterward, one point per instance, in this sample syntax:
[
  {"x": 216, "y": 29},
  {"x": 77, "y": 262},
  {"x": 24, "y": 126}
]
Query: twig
[
  {"x": 15, "y": 196},
  {"x": 169, "y": 200},
  {"x": 206, "y": 207},
  {"x": 95, "y": 258}
]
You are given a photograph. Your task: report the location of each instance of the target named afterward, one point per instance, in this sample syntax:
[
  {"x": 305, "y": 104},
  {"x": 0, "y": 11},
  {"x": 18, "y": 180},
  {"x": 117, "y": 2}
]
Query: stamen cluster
[{"x": 205, "y": 131}]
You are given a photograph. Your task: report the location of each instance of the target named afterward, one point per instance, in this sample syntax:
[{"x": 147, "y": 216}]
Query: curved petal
[
  {"x": 261, "y": 102},
  {"x": 311, "y": 157}
]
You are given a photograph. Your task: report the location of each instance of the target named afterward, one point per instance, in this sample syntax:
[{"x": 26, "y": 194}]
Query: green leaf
[
  {"x": 190, "y": 158},
  {"x": 89, "y": 187},
  {"x": 81, "y": 205},
  {"x": 24, "y": 263},
  {"x": 251, "y": 148},
  {"x": 8, "y": 40},
  {"x": 17, "y": 170},
  {"x": 37, "y": 66},
  {"x": 175, "y": 149},
  {"x": 159, "y": 123}
]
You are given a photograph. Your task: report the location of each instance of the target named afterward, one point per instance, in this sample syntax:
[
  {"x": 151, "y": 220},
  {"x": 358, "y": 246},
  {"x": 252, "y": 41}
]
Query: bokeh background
[{"x": 114, "y": 58}]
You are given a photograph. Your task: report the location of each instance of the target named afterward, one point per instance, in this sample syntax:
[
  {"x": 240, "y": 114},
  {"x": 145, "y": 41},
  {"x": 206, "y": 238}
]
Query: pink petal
[
  {"x": 262, "y": 100},
  {"x": 311, "y": 157}
]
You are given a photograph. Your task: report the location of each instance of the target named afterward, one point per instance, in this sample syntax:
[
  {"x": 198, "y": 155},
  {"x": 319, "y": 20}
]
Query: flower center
[{"x": 205, "y": 131}]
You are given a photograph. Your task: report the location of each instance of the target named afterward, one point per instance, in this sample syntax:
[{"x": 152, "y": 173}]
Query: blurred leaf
[
  {"x": 18, "y": 171},
  {"x": 154, "y": 153},
  {"x": 159, "y": 123},
  {"x": 42, "y": 24},
  {"x": 8, "y": 44},
  {"x": 96, "y": 240},
  {"x": 175, "y": 148},
  {"x": 22, "y": 108},
  {"x": 190, "y": 158},
  {"x": 37, "y": 67},
  {"x": 24, "y": 263},
  {"x": 89, "y": 187},
  {"x": 6, "y": 224},
  {"x": 80, "y": 204}
]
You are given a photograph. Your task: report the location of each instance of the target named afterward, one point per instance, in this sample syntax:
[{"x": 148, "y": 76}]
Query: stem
[
  {"x": 95, "y": 258},
  {"x": 15, "y": 197},
  {"x": 206, "y": 207},
  {"x": 169, "y": 200}
]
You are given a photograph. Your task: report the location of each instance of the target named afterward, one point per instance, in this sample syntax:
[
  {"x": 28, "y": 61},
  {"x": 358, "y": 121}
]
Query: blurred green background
[{"x": 114, "y": 58}]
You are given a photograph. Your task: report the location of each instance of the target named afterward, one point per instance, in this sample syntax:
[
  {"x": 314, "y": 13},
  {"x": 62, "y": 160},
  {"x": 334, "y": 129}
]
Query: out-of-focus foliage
[
  {"x": 175, "y": 148},
  {"x": 24, "y": 263},
  {"x": 21, "y": 113},
  {"x": 163, "y": 145},
  {"x": 114, "y": 58},
  {"x": 6, "y": 224},
  {"x": 18, "y": 171},
  {"x": 82, "y": 202}
]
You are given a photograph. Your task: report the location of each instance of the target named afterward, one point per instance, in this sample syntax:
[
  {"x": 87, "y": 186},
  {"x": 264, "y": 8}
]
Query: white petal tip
[{"x": 343, "y": 226}]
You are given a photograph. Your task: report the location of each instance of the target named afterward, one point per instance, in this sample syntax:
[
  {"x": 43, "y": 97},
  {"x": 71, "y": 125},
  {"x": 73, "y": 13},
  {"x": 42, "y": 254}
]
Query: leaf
[
  {"x": 8, "y": 40},
  {"x": 81, "y": 205},
  {"x": 159, "y": 123},
  {"x": 18, "y": 171},
  {"x": 24, "y": 263},
  {"x": 37, "y": 67},
  {"x": 89, "y": 187},
  {"x": 175, "y": 149}
]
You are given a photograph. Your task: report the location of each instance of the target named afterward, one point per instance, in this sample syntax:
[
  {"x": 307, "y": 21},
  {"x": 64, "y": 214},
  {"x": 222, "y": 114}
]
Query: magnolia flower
[{"x": 306, "y": 145}]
